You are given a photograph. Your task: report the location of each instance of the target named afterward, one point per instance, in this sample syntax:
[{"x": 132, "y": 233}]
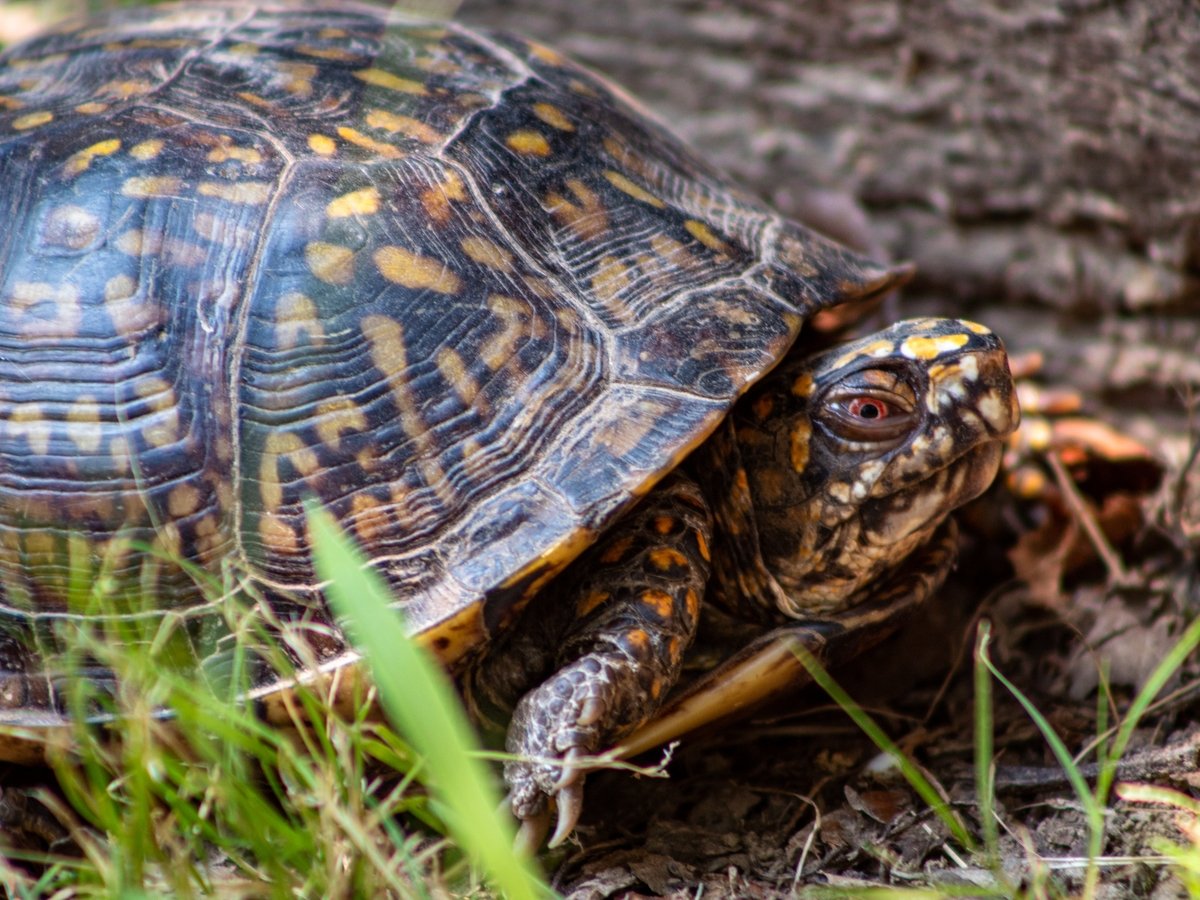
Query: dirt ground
[{"x": 1038, "y": 161}]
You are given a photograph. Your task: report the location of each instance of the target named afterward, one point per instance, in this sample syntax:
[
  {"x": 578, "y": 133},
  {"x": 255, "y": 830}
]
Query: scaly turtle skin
[{"x": 477, "y": 303}]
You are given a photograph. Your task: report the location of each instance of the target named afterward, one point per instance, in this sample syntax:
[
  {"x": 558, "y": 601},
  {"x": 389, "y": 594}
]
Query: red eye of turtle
[
  {"x": 870, "y": 408},
  {"x": 860, "y": 416}
]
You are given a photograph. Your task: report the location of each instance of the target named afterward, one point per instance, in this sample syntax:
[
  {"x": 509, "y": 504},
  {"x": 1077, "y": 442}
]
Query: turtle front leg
[{"x": 630, "y": 607}]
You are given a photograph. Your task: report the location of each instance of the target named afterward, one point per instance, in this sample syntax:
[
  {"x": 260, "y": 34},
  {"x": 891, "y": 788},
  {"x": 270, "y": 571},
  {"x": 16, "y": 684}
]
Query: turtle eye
[
  {"x": 868, "y": 408},
  {"x": 868, "y": 416}
]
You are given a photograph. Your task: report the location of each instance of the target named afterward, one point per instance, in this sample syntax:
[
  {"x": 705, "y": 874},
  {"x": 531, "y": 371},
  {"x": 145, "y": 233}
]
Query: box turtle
[{"x": 530, "y": 352}]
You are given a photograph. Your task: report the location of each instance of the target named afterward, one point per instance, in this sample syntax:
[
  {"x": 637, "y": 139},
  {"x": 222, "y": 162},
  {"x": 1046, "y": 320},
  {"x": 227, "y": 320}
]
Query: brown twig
[{"x": 1083, "y": 515}]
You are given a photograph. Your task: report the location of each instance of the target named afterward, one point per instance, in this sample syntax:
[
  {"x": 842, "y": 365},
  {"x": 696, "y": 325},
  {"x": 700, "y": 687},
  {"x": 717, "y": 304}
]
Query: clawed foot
[{"x": 553, "y": 729}]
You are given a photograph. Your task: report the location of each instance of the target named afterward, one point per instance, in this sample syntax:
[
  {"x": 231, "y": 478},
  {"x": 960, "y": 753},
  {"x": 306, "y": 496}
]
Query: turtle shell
[{"x": 463, "y": 292}]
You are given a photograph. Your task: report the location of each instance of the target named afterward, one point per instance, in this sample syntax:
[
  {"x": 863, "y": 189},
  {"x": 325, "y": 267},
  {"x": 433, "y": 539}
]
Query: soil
[{"x": 1039, "y": 162}]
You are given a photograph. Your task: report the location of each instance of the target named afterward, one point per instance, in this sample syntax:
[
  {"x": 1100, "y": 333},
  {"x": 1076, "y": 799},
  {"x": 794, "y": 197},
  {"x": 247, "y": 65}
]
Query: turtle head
[{"x": 855, "y": 456}]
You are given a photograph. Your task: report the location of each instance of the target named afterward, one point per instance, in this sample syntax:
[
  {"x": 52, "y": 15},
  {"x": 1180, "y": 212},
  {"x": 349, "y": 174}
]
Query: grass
[
  {"x": 419, "y": 697},
  {"x": 211, "y": 800},
  {"x": 1109, "y": 747}
]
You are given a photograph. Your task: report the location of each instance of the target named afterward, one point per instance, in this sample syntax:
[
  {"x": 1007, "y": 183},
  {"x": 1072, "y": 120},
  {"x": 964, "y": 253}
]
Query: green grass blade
[
  {"x": 420, "y": 700},
  {"x": 1057, "y": 747},
  {"x": 911, "y": 773},
  {"x": 1171, "y": 663},
  {"x": 984, "y": 748},
  {"x": 1092, "y": 805}
]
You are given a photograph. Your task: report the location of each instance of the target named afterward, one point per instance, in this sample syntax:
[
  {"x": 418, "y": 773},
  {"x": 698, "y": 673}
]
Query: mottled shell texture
[{"x": 459, "y": 290}]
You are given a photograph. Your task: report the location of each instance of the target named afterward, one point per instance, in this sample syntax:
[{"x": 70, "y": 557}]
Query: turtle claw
[
  {"x": 532, "y": 833},
  {"x": 570, "y": 806},
  {"x": 572, "y": 772}
]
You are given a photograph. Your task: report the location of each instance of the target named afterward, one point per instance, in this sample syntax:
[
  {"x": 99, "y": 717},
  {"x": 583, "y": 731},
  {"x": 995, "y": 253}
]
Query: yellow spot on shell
[
  {"x": 487, "y": 253},
  {"x": 131, "y": 313},
  {"x": 932, "y": 347},
  {"x": 251, "y": 156},
  {"x": 389, "y": 355},
  {"x": 119, "y": 287},
  {"x": 368, "y": 518},
  {"x": 364, "y": 202},
  {"x": 380, "y": 78},
  {"x": 610, "y": 279},
  {"x": 62, "y": 300},
  {"x": 663, "y": 524},
  {"x": 553, "y": 116},
  {"x": 280, "y": 446},
  {"x": 163, "y": 430},
  {"x": 702, "y": 546},
  {"x": 79, "y": 162},
  {"x": 152, "y": 186},
  {"x": 322, "y": 144},
  {"x": 336, "y": 416},
  {"x": 436, "y": 199},
  {"x": 183, "y": 500},
  {"x": 704, "y": 235},
  {"x": 146, "y": 149},
  {"x": 27, "y": 421},
  {"x": 277, "y": 536},
  {"x": 153, "y": 44},
  {"x": 636, "y": 191},
  {"x": 331, "y": 263},
  {"x": 457, "y": 375},
  {"x": 127, "y": 89},
  {"x": 586, "y": 218},
  {"x": 295, "y": 318},
  {"x": 251, "y": 193},
  {"x": 386, "y": 151},
  {"x": 83, "y": 425},
  {"x": 157, "y": 391},
  {"x": 545, "y": 54},
  {"x": 300, "y": 76},
  {"x": 528, "y": 143},
  {"x": 501, "y": 346},
  {"x": 974, "y": 327},
  {"x": 407, "y": 125},
  {"x": 800, "y": 436},
  {"x": 32, "y": 120},
  {"x": 340, "y": 54},
  {"x": 91, "y": 108},
  {"x": 411, "y": 270}
]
